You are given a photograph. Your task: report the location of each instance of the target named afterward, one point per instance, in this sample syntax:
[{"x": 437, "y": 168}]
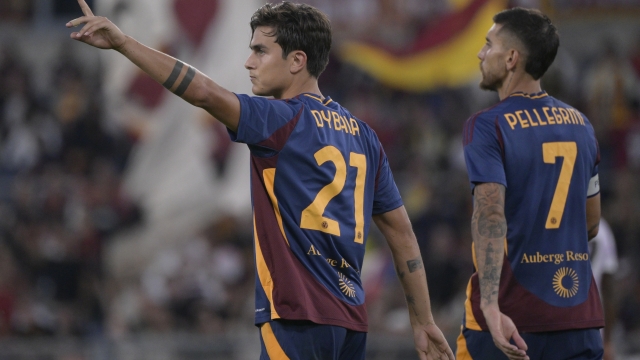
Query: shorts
[
  {"x": 305, "y": 340},
  {"x": 582, "y": 344}
]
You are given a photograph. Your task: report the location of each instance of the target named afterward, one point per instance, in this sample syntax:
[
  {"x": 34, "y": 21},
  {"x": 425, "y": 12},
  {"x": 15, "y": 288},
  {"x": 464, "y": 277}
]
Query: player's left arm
[
  {"x": 489, "y": 230},
  {"x": 396, "y": 228},
  {"x": 593, "y": 215}
]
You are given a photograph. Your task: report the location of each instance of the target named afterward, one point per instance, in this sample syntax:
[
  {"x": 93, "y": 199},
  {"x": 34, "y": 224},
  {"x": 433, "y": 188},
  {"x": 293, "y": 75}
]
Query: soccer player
[
  {"x": 318, "y": 178},
  {"x": 532, "y": 162}
]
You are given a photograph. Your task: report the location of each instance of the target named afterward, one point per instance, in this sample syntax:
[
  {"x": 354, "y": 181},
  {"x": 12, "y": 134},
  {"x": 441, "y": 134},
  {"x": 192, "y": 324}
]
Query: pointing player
[
  {"x": 533, "y": 166},
  {"x": 318, "y": 178}
]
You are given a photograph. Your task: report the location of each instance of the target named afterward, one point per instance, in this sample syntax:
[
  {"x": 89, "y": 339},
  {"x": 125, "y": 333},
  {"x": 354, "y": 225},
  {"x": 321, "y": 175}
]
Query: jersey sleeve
[
  {"x": 386, "y": 196},
  {"x": 261, "y": 117},
  {"x": 482, "y": 152}
]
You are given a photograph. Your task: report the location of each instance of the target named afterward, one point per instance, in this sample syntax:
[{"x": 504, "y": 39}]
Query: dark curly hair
[
  {"x": 536, "y": 32},
  {"x": 298, "y": 27}
]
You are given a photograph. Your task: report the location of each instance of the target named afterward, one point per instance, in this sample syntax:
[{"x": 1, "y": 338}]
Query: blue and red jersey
[
  {"x": 546, "y": 155},
  {"x": 318, "y": 174}
]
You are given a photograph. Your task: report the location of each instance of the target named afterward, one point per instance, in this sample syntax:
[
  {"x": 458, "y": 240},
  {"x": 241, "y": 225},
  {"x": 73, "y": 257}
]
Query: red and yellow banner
[{"x": 443, "y": 55}]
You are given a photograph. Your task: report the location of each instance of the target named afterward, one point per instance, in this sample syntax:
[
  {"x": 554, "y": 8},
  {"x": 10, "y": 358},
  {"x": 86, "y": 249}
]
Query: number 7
[{"x": 568, "y": 151}]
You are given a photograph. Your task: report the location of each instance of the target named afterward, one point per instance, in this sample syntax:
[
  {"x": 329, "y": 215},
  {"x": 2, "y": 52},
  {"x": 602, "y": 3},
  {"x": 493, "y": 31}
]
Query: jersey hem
[
  {"x": 574, "y": 325},
  {"x": 321, "y": 321}
]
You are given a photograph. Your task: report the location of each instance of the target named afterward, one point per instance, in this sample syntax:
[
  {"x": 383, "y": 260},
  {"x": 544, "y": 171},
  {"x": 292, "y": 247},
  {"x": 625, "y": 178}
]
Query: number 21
[{"x": 312, "y": 217}]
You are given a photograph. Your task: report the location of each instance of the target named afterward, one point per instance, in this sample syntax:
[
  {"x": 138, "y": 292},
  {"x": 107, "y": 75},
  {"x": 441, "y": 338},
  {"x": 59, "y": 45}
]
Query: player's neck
[
  {"x": 519, "y": 82},
  {"x": 307, "y": 85}
]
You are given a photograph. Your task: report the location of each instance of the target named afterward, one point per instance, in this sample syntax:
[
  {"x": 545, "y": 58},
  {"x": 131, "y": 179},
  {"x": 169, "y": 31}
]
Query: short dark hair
[
  {"x": 298, "y": 27},
  {"x": 536, "y": 32}
]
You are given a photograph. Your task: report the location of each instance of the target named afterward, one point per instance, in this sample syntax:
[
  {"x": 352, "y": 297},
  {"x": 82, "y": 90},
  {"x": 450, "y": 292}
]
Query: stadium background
[{"x": 125, "y": 219}]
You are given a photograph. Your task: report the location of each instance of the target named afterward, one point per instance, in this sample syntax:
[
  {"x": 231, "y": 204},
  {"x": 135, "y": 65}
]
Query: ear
[
  {"x": 513, "y": 56},
  {"x": 298, "y": 60}
]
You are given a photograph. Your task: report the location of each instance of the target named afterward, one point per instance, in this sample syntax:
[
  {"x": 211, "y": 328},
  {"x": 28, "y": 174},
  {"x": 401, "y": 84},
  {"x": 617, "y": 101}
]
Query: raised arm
[
  {"x": 396, "y": 228},
  {"x": 489, "y": 230},
  {"x": 180, "y": 78}
]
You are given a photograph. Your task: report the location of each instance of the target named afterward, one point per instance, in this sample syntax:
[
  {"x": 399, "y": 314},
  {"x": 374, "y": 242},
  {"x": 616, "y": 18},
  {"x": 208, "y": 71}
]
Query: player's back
[
  {"x": 318, "y": 174},
  {"x": 550, "y": 155},
  {"x": 547, "y": 157}
]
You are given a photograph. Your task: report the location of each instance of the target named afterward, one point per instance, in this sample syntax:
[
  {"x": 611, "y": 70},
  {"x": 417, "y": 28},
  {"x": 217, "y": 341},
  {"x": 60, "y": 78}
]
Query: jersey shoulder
[{"x": 483, "y": 120}]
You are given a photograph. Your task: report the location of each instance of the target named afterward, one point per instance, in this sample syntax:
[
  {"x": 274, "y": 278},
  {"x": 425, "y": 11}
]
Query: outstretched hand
[
  {"x": 431, "y": 344},
  {"x": 503, "y": 330},
  {"x": 98, "y": 31}
]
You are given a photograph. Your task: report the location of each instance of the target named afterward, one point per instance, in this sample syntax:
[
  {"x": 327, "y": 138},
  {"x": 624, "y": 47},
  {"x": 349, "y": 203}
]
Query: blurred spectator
[
  {"x": 16, "y": 11},
  {"x": 610, "y": 85}
]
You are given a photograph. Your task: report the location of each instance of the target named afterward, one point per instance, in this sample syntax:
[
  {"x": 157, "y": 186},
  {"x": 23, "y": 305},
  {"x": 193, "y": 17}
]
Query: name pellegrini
[{"x": 554, "y": 258}]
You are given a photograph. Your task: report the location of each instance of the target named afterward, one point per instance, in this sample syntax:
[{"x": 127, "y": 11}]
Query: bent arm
[
  {"x": 397, "y": 230},
  {"x": 593, "y": 216}
]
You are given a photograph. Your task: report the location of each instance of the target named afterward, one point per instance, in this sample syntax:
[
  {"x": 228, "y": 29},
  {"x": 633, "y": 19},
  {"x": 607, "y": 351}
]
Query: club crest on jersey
[
  {"x": 346, "y": 286},
  {"x": 565, "y": 282}
]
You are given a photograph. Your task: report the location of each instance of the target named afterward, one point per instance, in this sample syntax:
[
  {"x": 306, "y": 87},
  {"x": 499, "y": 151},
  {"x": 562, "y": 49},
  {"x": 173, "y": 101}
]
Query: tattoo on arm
[
  {"x": 489, "y": 229},
  {"x": 186, "y": 81},
  {"x": 490, "y": 282},
  {"x": 414, "y": 265},
  {"x": 399, "y": 272},
  {"x": 412, "y": 304},
  {"x": 171, "y": 80}
]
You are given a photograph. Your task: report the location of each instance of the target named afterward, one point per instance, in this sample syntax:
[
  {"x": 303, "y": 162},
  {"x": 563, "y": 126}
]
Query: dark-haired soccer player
[
  {"x": 533, "y": 166},
  {"x": 318, "y": 177}
]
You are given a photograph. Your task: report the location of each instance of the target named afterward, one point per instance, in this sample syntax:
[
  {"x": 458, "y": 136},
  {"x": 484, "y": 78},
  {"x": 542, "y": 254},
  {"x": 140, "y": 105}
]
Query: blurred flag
[{"x": 443, "y": 55}]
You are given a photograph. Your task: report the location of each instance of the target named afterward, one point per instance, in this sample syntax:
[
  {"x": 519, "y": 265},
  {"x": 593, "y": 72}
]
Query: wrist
[
  {"x": 426, "y": 321},
  {"x": 490, "y": 307},
  {"x": 120, "y": 48}
]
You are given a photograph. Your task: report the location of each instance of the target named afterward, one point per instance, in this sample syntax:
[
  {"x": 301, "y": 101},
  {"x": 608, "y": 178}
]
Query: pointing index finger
[{"x": 86, "y": 10}]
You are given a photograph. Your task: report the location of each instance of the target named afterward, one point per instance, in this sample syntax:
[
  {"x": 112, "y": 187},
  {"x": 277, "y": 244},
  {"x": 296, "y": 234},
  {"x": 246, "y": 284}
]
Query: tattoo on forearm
[
  {"x": 191, "y": 73},
  {"x": 171, "y": 80},
  {"x": 399, "y": 272},
  {"x": 411, "y": 301},
  {"x": 490, "y": 281},
  {"x": 414, "y": 265},
  {"x": 490, "y": 224},
  {"x": 488, "y": 212},
  {"x": 489, "y": 229}
]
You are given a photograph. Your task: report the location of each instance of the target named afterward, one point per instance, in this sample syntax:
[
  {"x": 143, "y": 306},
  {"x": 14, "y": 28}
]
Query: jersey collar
[
  {"x": 324, "y": 101},
  {"x": 539, "y": 95}
]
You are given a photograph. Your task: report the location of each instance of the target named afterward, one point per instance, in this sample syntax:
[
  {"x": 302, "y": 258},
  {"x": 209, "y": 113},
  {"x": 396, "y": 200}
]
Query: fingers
[
  {"x": 91, "y": 25},
  {"x": 78, "y": 21},
  {"x": 86, "y": 10},
  {"x": 512, "y": 352},
  {"x": 449, "y": 354},
  {"x": 519, "y": 340}
]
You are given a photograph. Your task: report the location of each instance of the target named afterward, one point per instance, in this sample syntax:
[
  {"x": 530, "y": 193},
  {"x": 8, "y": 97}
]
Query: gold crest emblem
[
  {"x": 562, "y": 290},
  {"x": 346, "y": 286}
]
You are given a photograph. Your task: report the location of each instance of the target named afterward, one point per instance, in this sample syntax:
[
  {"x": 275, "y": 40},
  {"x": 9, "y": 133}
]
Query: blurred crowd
[{"x": 62, "y": 200}]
